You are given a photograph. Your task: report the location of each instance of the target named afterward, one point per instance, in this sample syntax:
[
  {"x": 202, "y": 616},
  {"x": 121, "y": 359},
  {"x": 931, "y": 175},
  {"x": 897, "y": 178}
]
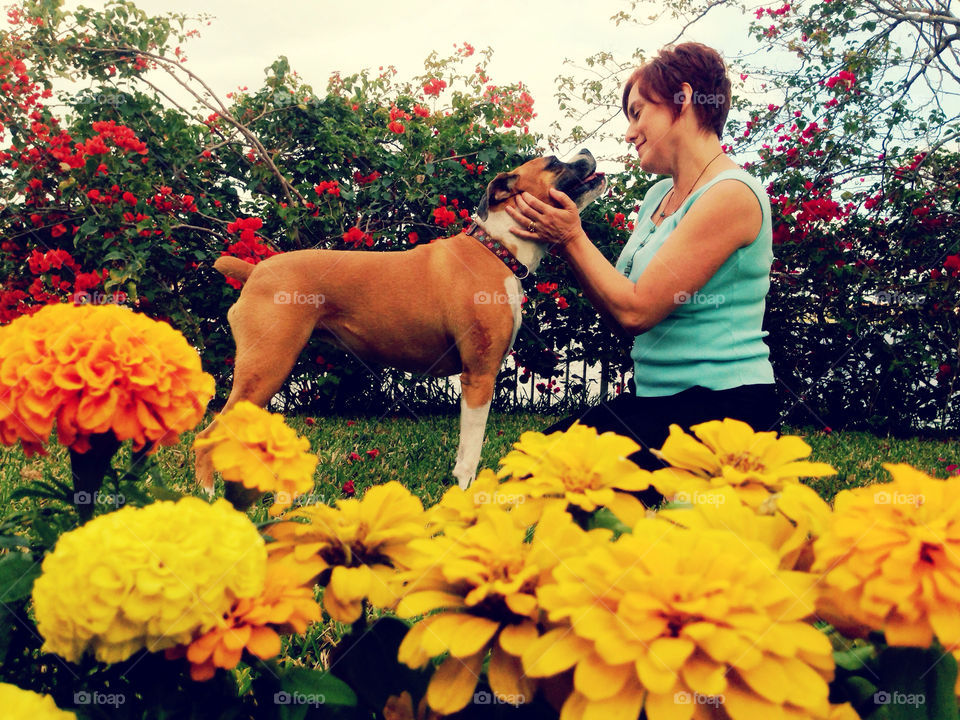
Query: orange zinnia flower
[
  {"x": 97, "y": 369},
  {"x": 286, "y": 605}
]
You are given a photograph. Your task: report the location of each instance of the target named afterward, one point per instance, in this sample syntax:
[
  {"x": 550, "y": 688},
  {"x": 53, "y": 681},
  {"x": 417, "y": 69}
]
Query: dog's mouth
[{"x": 596, "y": 176}]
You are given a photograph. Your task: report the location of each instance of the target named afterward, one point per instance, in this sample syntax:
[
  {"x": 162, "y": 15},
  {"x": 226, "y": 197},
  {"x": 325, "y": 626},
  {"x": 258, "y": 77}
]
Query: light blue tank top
[{"x": 715, "y": 338}]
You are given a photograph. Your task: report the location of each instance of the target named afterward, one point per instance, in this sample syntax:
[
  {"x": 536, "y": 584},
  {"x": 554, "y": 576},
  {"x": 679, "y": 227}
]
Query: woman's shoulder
[{"x": 747, "y": 184}]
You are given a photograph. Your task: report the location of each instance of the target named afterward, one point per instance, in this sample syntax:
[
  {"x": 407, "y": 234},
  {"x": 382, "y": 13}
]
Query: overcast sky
[{"x": 530, "y": 38}]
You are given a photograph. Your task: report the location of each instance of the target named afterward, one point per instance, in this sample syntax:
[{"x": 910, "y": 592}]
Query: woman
[{"x": 691, "y": 282}]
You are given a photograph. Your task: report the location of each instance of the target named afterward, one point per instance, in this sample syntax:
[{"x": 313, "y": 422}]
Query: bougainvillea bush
[
  {"x": 120, "y": 193},
  {"x": 546, "y": 589}
]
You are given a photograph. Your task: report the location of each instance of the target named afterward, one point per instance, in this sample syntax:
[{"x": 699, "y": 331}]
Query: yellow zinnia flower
[
  {"x": 891, "y": 559},
  {"x": 146, "y": 577},
  {"x": 96, "y": 369},
  {"x": 665, "y": 615},
  {"x": 258, "y": 449},
  {"x": 459, "y": 509},
  {"x": 788, "y": 522},
  {"x": 483, "y": 581},
  {"x": 754, "y": 464},
  {"x": 20, "y": 704},
  {"x": 359, "y": 542},
  {"x": 578, "y": 467}
]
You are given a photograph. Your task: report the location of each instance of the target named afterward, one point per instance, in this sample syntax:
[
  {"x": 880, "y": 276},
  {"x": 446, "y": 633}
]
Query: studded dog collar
[{"x": 498, "y": 249}]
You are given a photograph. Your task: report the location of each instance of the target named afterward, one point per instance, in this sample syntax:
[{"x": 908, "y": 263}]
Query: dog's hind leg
[
  {"x": 269, "y": 337},
  {"x": 477, "y": 393}
]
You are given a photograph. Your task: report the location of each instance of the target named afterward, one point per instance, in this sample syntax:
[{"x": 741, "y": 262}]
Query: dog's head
[{"x": 578, "y": 178}]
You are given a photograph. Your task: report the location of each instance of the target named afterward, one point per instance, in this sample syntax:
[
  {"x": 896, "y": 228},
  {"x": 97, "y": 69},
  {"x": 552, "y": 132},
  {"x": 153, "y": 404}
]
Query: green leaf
[
  {"x": 603, "y": 518},
  {"x": 17, "y": 572},
  {"x": 313, "y": 688},
  {"x": 942, "y": 700},
  {"x": 854, "y": 658},
  {"x": 917, "y": 684}
]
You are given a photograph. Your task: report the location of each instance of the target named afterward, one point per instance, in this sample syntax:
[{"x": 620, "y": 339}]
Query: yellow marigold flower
[
  {"x": 146, "y": 577},
  {"x": 96, "y": 369},
  {"x": 729, "y": 452},
  {"x": 285, "y": 605},
  {"x": 578, "y": 467},
  {"x": 258, "y": 449},
  {"x": 483, "y": 581},
  {"x": 20, "y": 704},
  {"x": 891, "y": 559},
  {"x": 459, "y": 509},
  {"x": 360, "y": 543},
  {"x": 788, "y": 522},
  {"x": 666, "y": 614}
]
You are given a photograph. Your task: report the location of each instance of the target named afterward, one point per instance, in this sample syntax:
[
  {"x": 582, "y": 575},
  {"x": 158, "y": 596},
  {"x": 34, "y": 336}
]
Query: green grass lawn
[{"x": 420, "y": 454}]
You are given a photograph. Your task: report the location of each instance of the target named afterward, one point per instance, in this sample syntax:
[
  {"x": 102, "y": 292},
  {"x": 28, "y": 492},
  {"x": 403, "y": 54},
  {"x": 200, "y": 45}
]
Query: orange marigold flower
[
  {"x": 96, "y": 369},
  {"x": 286, "y": 605}
]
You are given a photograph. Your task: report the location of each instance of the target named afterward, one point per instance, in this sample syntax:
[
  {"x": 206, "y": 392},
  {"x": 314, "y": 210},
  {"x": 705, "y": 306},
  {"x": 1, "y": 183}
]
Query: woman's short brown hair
[{"x": 659, "y": 81}]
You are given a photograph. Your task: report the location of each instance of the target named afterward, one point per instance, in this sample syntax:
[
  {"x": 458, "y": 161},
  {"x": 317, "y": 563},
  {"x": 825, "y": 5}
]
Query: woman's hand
[{"x": 545, "y": 223}]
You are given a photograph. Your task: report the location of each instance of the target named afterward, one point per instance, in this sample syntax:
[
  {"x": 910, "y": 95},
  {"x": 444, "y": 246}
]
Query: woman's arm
[{"x": 725, "y": 218}]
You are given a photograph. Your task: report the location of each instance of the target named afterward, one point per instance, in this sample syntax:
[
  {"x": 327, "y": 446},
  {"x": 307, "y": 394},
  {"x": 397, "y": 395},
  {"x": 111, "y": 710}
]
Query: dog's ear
[{"x": 499, "y": 189}]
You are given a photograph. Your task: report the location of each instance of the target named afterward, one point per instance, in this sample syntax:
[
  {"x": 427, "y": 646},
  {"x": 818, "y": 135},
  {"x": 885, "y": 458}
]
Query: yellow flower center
[
  {"x": 744, "y": 462},
  {"x": 578, "y": 482}
]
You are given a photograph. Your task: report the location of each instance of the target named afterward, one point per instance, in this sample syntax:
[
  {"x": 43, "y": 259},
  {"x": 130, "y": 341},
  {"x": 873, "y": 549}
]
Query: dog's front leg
[{"x": 477, "y": 393}]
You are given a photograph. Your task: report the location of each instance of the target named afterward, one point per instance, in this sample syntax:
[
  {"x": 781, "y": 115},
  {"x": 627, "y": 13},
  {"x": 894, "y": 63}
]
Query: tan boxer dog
[{"x": 448, "y": 307}]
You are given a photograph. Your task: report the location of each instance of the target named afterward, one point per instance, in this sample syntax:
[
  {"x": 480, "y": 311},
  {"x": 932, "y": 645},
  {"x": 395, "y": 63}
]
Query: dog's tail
[{"x": 234, "y": 267}]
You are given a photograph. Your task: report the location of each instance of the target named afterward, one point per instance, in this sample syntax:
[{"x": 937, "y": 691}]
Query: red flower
[
  {"x": 330, "y": 187},
  {"x": 130, "y": 198},
  {"x": 421, "y": 111},
  {"x": 444, "y": 217},
  {"x": 357, "y": 237},
  {"x": 351, "y": 423},
  {"x": 562, "y": 303},
  {"x": 952, "y": 265},
  {"x": 397, "y": 127},
  {"x": 373, "y": 453},
  {"x": 309, "y": 421},
  {"x": 434, "y": 87},
  {"x": 58, "y": 230},
  {"x": 353, "y": 457},
  {"x": 546, "y": 287},
  {"x": 413, "y": 238},
  {"x": 348, "y": 488}
]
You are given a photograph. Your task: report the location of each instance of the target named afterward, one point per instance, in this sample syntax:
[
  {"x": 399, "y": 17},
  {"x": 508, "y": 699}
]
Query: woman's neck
[{"x": 698, "y": 162}]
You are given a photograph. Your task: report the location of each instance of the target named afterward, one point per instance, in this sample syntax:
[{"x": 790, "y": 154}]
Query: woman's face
[{"x": 648, "y": 124}]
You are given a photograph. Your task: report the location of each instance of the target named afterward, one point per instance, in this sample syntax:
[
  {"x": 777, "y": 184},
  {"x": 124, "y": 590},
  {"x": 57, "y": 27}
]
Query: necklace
[{"x": 663, "y": 212}]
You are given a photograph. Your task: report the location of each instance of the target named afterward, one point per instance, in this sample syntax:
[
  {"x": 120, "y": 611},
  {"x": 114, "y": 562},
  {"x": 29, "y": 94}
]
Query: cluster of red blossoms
[
  {"x": 549, "y": 288},
  {"x": 364, "y": 179},
  {"x": 445, "y": 217},
  {"x": 396, "y": 116},
  {"x": 50, "y": 284},
  {"x": 434, "y": 87},
  {"x": 250, "y": 247},
  {"x": 619, "y": 222},
  {"x": 951, "y": 267},
  {"x": 517, "y": 107},
  {"x": 357, "y": 237},
  {"x": 844, "y": 79},
  {"x": 330, "y": 187},
  {"x": 760, "y": 12}
]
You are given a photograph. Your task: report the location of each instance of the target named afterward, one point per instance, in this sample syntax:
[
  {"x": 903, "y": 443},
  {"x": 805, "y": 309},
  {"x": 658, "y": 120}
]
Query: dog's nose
[{"x": 585, "y": 153}]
